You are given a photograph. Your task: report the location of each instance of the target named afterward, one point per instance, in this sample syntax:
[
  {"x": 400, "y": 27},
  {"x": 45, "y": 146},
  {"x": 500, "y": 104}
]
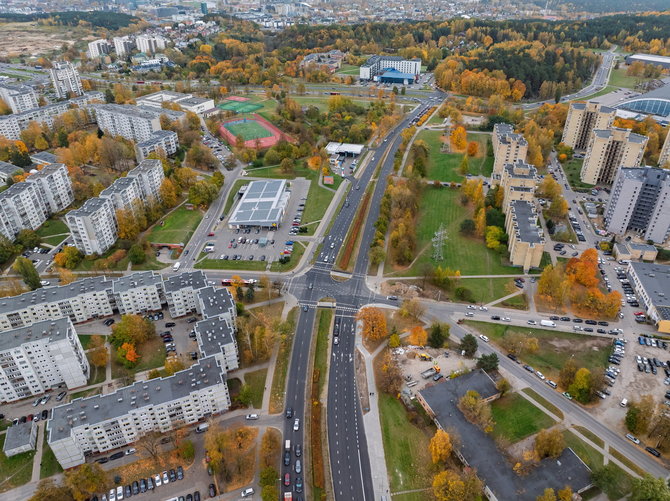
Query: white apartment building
[
  {"x": 105, "y": 422},
  {"x": 150, "y": 175},
  {"x": 20, "y": 98},
  {"x": 93, "y": 226},
  {"x": 65, "y": 79},
  {"x": 216, "y": 333},
  {"x": 123, "y": 193},
  {"x": 376, "y": 65},
  {"x": 181, "y": 292},
  {"x": 98, "y": 48},
  {"x": 150, "y": 44},
  {"x": 123, "y": 45},
  {"x": 127, "y": 121},
  {"x": 162, "y": 142},
  {"x": 138, "y": 293},
  {"x": 55, "y": 187},
  {"x": 8, "y": 171},
  {"x": 508, "y": 148},
  {"x": 39, "y": 357},
  {"x": 22, "y": 206}
]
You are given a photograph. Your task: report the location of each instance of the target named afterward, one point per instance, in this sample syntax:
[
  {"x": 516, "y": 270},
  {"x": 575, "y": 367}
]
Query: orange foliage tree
[
  {"x": 458, "y": 138},
  {"x": 473, "y": 148},
  {"x": 418, "y": 336},
  {"x": 374, "y": 323}
]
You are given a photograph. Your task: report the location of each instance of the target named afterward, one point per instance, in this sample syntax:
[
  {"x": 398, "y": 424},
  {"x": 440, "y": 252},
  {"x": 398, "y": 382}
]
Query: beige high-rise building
[
  {"x": 609, "y": 150},
  {"x": 508, "y": 147},
  {"x": 518, "y": 183},
  {"x": 664, "y": 157},
  {"x": 526, "y": 239},
  {"x": 583, "y": 119}
]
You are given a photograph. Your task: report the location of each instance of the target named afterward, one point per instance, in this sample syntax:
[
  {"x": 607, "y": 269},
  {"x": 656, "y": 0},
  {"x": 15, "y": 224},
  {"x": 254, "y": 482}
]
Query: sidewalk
[{"x": 37, "y": 460}]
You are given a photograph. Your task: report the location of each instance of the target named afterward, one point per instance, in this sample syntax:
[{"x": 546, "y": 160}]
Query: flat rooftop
[
  {"x": 101, "y": 408},
  {"x": 212, "y": 334},
  {"x": 262, "y": 204},
  {"x": 52, "y": 330},
  {"x": 482, "y": 453},
  {"x": 18, "y": 435},
  {"x": 521, "y": 170},
  {"x": 655, "y": 279},
  {"x": 91, "y": 206},
  {"x": 138, "y": 279},
  {"x": 215, "y": 302},
  {"x": 193, "y": 279},
  {"x": 526, "y": 222}
]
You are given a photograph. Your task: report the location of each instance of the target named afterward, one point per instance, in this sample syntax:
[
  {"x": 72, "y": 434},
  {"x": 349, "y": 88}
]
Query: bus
[
  {"x": 176, "y": 266},
  {"x": 227, "y": 282}
]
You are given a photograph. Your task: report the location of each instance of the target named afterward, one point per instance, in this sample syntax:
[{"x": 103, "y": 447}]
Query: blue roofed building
[{"x": 391, "y": 75}]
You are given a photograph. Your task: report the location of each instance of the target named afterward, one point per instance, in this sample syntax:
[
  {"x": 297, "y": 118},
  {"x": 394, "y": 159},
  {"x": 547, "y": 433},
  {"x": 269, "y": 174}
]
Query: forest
[
  {"x": 609, "y": 5},
  {"x": 98, "y": 19}
]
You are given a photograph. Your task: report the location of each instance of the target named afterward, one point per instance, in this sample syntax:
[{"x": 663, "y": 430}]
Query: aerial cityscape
[{"x": 380, "y": 251}]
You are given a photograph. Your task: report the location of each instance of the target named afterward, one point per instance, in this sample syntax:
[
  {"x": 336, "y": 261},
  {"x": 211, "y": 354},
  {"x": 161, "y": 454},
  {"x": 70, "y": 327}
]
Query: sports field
[
  {"x": 248, "y": 129},
  {"x": 239, "y": 106}
]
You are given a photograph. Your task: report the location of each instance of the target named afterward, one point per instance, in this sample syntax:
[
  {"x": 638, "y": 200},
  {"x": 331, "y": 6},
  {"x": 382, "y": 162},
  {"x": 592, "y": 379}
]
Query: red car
[
  {"x": 639, "y": 313},
  {"x": 287, "y": 479},
  {"x": 210, "y": 234}
]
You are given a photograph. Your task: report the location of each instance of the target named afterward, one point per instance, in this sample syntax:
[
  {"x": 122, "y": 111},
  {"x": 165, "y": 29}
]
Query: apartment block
[
  {"x": 8, "y": 171},
  {"x": 640, "y": 202},
  {"x": 216, "y": 333},
  {"x": 22, "y": 206},
  {"x": 65, "y": 79},
  {"x": 39, "y": 357},
  {"x": 163, "y": 142},
  {"x": 123, "y": 45},
  {"x": 20, "y": 438},
  {"x": 609, "y": 150},
  {"x": 98, "y": 48},
  {"x": 150, "y": 176},
  {"x": 150, "y": 44},
  {"x": 138, "y": 293},
  {"x": 664, "y": 156},
  {"x": 19, "y": 97},
  {"x": 93, "y": 226},
  {"x": 376, "y": 65},
  {"x": 123, "y": 193},
  {"x": 526, "y": 239},
  {"x": 508, "y": 147},
  {"x": 105, "y": 422},
  {"x": 518, "y": 182},
  {"x": 181, "y": 292},
  {"x": 582, "y": 120},
  {"x": 127, "y": 121},
  {"x": 55, "y": 187}
]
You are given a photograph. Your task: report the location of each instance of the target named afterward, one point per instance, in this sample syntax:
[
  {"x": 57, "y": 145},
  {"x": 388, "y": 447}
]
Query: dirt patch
[
  {"x": 362, "y": 382},
  {"x": 412, "y": 366},
  {"x": 31, "y": 39}
]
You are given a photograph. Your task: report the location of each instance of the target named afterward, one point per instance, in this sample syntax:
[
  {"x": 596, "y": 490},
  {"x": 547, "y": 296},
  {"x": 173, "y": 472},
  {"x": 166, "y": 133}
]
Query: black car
[
  {"x": 136, "y": 487},
  {"x": 128, "y": 491},
  {"x": 590, "y": 322},
  {"x": 529, "y": 368},
  {"x": 289, "y": 412},
  {"x": 45, "y": 414},
  {"x": 640, "y": 367},
  {"x": 577, "y": 320},
  {"x": 511, "y": 356},
  {"x": 196, "y": 496},
  {"x": 588, "y": 329},
  {"x": 653, "y": 451},
  {"x": 212, "y": 490},
  {"x": 180, "y": 473},
  {"x": 298, "y": 484},
  {"x": 565, "y": 319},
  {"x": 150, "y": 484},
  {"x": 189, "y": 497},
  {"x": 190, "y": 321},
  {"x": 298, "y": 450},
  {"x": 170, "y": 324},
  {"x": 601, "y": 331},
  {"x": 109, "y": 322},
  {"x": 553, "y": 317},
  {"x": 602, "y": 322},
  {"x": 117, "y": 455},
  {"x": 495, "y": 317},
  {"x": 102, "y": 460},
  {"x": 173, "y": 475}
]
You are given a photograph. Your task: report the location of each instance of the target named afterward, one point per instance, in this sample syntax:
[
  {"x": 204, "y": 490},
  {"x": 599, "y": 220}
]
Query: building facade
[
  {"x": 65, "y": 79},
  {"x": 22, "y": 206},
  {"x": 98, "y": 48},
  {"x": 123, "y": 45},
  {"x": 20, "y": 98},
  {"x": 20, "y": 438},
  {"x": 652, "y": 285},
  {"x": 138, "y": 293},
  {"x": 640, "y": 202},
  {"x": 609, "y": 150},
  {"x": 93, "y": 226},
  {"x": 55, "y": 187},
  {"x": 664, "y": 156},
  {"x": 127, "y": 121},
  {"x": 518, "y": 182},
  {"x": 508, "y": 148},
  {"x": 150, "y": 44},
  {"x": 526, "y": 239},
  {"x": 39, "y": 357},
  {"x": 376, "y": 65},
  {"x": 162, "y": 142},
  {"x": 181, "y": 292},
  {"x": 123, "y": 193},
  {"x": 582, "y": 120},
  {"x": 105, "y": 422},
  {"x": 216, "y": 333}
]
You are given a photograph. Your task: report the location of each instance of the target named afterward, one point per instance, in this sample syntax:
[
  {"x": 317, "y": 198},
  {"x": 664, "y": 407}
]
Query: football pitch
[{"x": 249, "y": 130}]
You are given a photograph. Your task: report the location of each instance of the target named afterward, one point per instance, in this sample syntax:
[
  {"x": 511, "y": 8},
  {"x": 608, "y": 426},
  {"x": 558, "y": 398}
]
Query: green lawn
[
  {"x": 298, "y": 251},
  {"x": 444, "y": 166},
  {"x": 54, "y": 241},
  {"x": 153, "y": 356},
  {"x": 150, "y": 264},
  {"x": 85, "y": 340},
  {"x": 232, "y": 194},
  {"x": 85, "y": 393},
  {"x": 15, "y": 470},
  {"x": 256, "y": 380},
  {"x": 52, "y": 227},
  {"x": 469, "y": 255},
  {"x": 177, "y": 227},
  {"x": 348, "y": 69},
  {"x": 405, "y": 447},
  {"x": 590, "y": 435},
  {"x": 324, "y": 319},
  {"x": 49, "y": 465},
  {"x": 630, "y": 464},
  {"x": 516, "y": 418},
  {"x": 97, "y": 373},
  {"x": 618, "y": 78},
  {"x": 484, "y": 290},
  {"x": 519, "y": 302},
  {"x": 556, "y": 347},
  {"x": 281, "y": 367},
  {"x": 543, "y": 402},
  {"x": 572, "y": 169},
  {"x": 590, "y": 456}
]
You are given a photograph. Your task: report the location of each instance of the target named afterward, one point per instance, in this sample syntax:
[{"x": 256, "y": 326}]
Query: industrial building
[
  {"x": 262, "y": 204},
  {"x": 187, "y": 102},
  {"x": 653, "y": 59}
]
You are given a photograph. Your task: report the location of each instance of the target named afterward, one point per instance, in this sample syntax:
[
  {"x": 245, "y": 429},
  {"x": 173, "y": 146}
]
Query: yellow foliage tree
[
  {"x": 440, "y": 446},
  {"x": 374, "y": 323}
]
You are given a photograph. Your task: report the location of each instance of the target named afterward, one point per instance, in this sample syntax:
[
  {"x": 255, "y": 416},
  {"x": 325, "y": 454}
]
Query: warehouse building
[
  {"x": 652, "y": 285},
  {"x": 262, "y": 204}
]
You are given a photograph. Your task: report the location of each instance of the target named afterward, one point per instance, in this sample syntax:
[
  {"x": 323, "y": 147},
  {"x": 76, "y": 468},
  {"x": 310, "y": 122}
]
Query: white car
[
  {"x": 540, "y": 375},
  {"x": 247, "y": 492},
  {"x": 484, "y": 338},
  {"x": 119, "y": 493},
  {"x": 506, "y": 319},
  {"x": 469, "y": 314},
  {"x": 483, "y": 308},
  {"x": 531, "y": 322},
  {"x": 157, "y": 480},
  {"x": 166, "y": 479},
  {"x": 630, "y": 437},
  {"x": 296, "y": 424},
  {"x": 472, "y": 307}
]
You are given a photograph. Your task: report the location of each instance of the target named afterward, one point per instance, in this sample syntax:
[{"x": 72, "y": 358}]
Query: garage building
[{"x": 262, "y": 204}]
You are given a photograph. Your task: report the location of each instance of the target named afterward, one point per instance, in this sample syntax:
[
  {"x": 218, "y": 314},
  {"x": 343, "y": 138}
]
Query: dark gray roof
[
  {"x": 9, "y": 169},
  {"x": 139, "y": 279},
  {"x": 119, "y": 185},
  {"x": 194, "y": 279},
  {"x": 101, "y": 408},
  {"x": 655, "y": 279},
  {"x": 156, "y": 138},
  {"x": 215, "y": 302},
  {"x": 53, "y": 330},
  {"x": 44, "y": 156},
  {"x": 481, "y": 452},
  {"x": 602, "y": 108},
  {"x": 632, "y": 136},
  {"x": 214, "y": 333},
  {"x": 505, "y": 133},
  {"x": 91, "y": 206},
  {"x": 516, "y": 169},
  {"x": 47, "y": 170},
  {"x": 18, "y": 435},
  {"x": 526, "y": 221}
]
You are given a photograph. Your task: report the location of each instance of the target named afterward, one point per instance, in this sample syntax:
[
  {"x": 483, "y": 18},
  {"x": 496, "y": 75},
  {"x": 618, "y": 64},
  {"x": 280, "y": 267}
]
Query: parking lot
[{"x": 247, "y": 244}]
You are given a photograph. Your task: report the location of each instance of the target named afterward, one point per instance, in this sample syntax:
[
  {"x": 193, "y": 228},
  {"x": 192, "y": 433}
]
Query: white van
[
  {"x": 624, "y": 402},
  {"x": 202, "y": 428}
]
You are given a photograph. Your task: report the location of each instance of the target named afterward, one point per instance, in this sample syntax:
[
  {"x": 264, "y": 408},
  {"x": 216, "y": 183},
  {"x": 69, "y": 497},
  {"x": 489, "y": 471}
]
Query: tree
[
  {"x": 469, "y": 345},
  {"x": 98, "y": 353},
  {"x": 640, "y": 415},
  {"x": 68, "y": 258},
  {"x": 549, "y": 188},
  {"x": 473, "y": 148},
  {"x": 391, "y": 380},
  {"x": 85, "y": 480},
  {"x": 394, "y": 340},
  {"x": 440, "y": 446},
  {"x": 24, "y": 267},
  {"x": 136, "y": 254},
  {"x": 132, "y": 329},
  {"x": 7, "y": 249},
  {"x": 173, "y": 365},
  {"x": 488, "y": 362},
  {"x": 168, "y": 194},
  {"x": 128, "y": 227},
  {"x": 503, "y": 386},
  {"x": 286, "y": 165},
  {"x": 127, "y": 355},
  {"x": 549, "y": 443},
  {"x": 65, "y": 276},
  {"x": 418, "y": 336},
  {"x": 48, "y": 490},
  {"x": 464, "y": 166},
  {"x": 374, "y": 323},
  {"x": 438, "y": 334},
  {"x": 150, "y": 443},
  {"x": 567, "y": 373},
  {"x": 547, "y": 495},
  {"x": 186, "y": 450},
  {"x": 203, "y": 193},
  {"x": 245, "y": 396},
  {"x": 565, "y": 494},
  {"x": 467, "y": 227},
  {"x": 28, "y": 239},
  {"x": 558, "y": 208},
  {"x": 476, "y": 410},
  {"x": 448, "y": 486},
  {"x": 411, "y": 308},
  {"x": 649, "y": 488},
  {"x": 458, "y": 138},
  {"x": 581, "y": 385}
]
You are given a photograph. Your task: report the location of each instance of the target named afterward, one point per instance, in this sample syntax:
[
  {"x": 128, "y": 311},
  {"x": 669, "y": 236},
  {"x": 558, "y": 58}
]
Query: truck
[
  {"x": 176, "y": 266},
  {"x": 428, "y": 373},
  {"x": 547, "y": 323},
  {"x": 287, "y": 445}
]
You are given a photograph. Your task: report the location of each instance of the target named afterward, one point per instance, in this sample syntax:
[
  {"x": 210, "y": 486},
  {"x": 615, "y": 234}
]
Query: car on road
[
  {"x": 296, "y": 424},
  {"x": 506, "y": 319},
  {"x": 298, "y": 466},
  {"x": 298, "y": 483},
  {"x": 567, "y": 395},
  {"x": 495, "y": 317},
  {"x": 287, "y": 458},
  {"x": 653, "y": 451},
  {"x": 247, "y": 492},
  {"x": 212, "y": 490},
  {"x": 109, "y": 322},
  {"x": 484, "y": 338},
  {"x": 392, "y": 298},
  {"x": 298, "y": 450},
  {"x": 531, "y": 322},
  {"x": 251, "y": 417},
  {"x": 287, "y": 479},
  {"x": 289, "y": 412},
  {"x": 633, "y": 439}
]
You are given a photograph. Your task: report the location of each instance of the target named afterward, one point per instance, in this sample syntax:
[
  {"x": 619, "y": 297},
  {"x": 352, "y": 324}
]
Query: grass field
[
  {"x": 572, "y": 169},
  {"x": 405, "y": 447},
  {"x": 590, "y": 435},
  {"x": 15, "y": 470},
  {"x": 618, "y": 78},
  {"x": 516, "y": 418},
  {"x": 444, "y": 166},
  {"x": 256, "y": 381},
  {"x": 348, "y": 69},
  {"x": 97, "y": 374},
  {"x": 153, "y": 356},
  {"x": 321, "y": 351},
  {"x": 592, "y": 457},
  {"x": 52, "y": 227},
  {"x": 232, "y": 194},
  {"x": 177, "y": 227},
  {"x": 543, "y": 402},
  {"x": 630, "y": 464},
  {"x": 556, "y": 347},
  {"x": 250, "y": 129},
  {"x": 281, "y": 367},
  {"x": 49, "y": 464},
  {"x": 469, "y": 255},
  {"x": 484, "y": 290},
  {"x": 85, "y": 340}
]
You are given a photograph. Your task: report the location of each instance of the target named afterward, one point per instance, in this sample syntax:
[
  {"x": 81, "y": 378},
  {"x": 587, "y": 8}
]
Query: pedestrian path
[
  {"x": 505, "y": 298},
  {"x": 37, "y": 460}
]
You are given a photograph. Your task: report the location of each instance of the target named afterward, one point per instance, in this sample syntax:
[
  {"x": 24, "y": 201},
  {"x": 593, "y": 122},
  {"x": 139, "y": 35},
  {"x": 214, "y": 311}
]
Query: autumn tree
[
  {"x": 391, "y": 382},
  {"x": 85, "y": 480},
  {"x": 640, "y": 415},
  {"x": 174, "y": 364},
  {"x": 581, "y": 385},
  {"x": 476, "y": 410},
  {"x": 438, "y": 334},
  {"x": 549, "y": 443},
  {"x": 458, "y": 138},
  {"x": 464, "y": 166},
  {"x": 65, "y": 276},
  {"x": 150, "y": 443},
  {"x": 374, "y": 323},
  {"x": 98, "y": 353},
  {"x": 473, "y": 148},
  {"x": 503, "y": 386},
  {"x": 49, "y": 490},
  {"x": 418, "y": 336},
  {"x": 549, "y": 188},
  {"x": 26, "y": 269},
  {"x": 132, "y": 329},
  {"x": 440, "y": 446},
  {"x": 547, "y": 495},
  {"x": 411, "y": 308},
  {"x": 567, "y": 373},
  {"x": 558, "y": 208},
  {"x": 448, "y": 486},
  {"x": 69, "y": 257}
]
